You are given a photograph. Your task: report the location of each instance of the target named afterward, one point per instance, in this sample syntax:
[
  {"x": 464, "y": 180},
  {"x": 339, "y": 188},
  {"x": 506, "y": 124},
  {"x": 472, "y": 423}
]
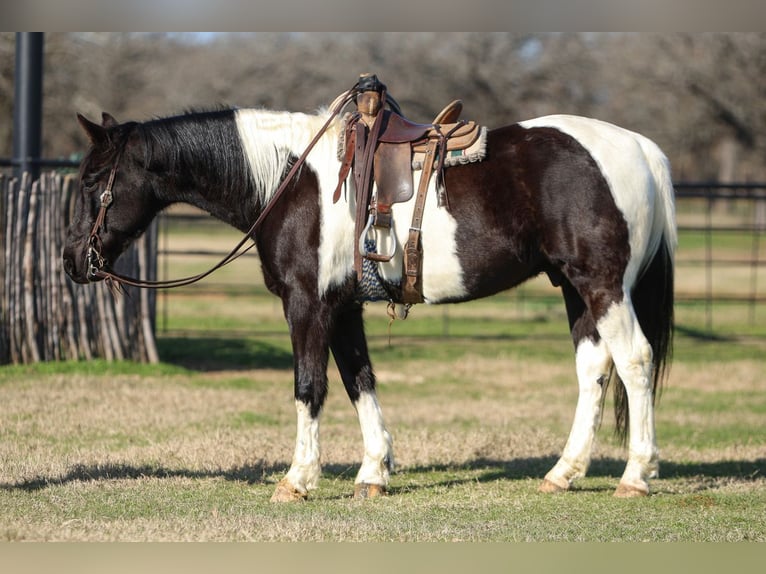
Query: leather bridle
[{"x": 96, "y": 263}]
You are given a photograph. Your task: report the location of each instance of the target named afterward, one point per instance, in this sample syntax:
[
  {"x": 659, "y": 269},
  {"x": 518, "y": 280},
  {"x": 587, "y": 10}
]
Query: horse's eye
[{"x": 90, "y": 186}]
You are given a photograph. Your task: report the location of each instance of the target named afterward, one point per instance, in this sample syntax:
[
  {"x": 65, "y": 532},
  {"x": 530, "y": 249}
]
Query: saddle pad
[{"x": 477, "y": 151}]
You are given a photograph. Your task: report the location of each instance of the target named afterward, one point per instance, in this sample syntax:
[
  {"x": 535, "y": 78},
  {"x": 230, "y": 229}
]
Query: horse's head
[{"x": 116, "y": 200}]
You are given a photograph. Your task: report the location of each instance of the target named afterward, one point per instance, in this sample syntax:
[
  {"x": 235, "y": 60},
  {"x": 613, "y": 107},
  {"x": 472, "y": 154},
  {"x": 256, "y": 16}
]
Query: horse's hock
[{"x": 44, "y": 316}]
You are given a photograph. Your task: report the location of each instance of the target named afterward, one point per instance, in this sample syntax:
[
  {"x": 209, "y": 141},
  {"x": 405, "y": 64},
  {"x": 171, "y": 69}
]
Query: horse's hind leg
[
  {"x": 632, "y": 355},
  {"x": 349, "y": 347},
  {"x": 593, "y": 364}
]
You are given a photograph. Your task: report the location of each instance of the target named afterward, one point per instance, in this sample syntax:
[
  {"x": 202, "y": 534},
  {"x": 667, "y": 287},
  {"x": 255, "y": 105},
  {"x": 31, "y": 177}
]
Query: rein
[{"x": 97, "y": 264}]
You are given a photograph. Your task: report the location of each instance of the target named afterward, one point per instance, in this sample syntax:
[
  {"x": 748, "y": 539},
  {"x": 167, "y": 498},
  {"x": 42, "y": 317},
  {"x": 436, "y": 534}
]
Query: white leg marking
[
  {"x": 632, "y": 356},
  {"x": 378, "y": 452},
  {"x": 593, "y": 362},
  {"x": 305, "y": 469}
]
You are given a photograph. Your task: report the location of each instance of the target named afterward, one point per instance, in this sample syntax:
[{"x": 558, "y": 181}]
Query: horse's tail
[{"x": 652, "y": 295}]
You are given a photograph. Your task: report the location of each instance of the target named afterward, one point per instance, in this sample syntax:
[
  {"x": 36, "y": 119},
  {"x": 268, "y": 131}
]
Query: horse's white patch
[
  {"x": 378, "y": 453},
  {"x": 305, "y": 469},
  {"x": 336, "y": 240},
  {"x": 638, "y": 176},
  {"x": 269, "y": 139}
]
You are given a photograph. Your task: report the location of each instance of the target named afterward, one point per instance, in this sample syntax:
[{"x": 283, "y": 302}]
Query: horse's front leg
[
  {"x": 308, "y": 332},
  {"x": 349, "y": 347}
]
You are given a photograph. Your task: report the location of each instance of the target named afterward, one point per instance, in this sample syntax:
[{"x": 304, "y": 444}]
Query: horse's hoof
[
  {"x": 286, "y": 492},
  {"x": 630, "y": 491},
  {"x": 364, "y": 490},
  {"x": 550, "y": 487}
]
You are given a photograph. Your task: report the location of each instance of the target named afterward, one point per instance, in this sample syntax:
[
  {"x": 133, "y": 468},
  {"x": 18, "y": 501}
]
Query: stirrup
[{"x": 369, "y": 254}]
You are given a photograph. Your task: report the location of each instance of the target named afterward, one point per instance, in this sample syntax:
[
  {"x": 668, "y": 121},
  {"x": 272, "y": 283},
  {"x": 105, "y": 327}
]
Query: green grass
[
  {"x": 476, "y": 504},
  {"x": 738, "y": 242},
  {"x": 96, "y": 367},
  {"x": 226, "y": 352}
]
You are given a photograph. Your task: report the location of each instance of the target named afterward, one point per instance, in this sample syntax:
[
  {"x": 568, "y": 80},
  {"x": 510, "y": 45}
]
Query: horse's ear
[
  {"x": 107, "y": 120},
  {"x": 96, "y": 133}
]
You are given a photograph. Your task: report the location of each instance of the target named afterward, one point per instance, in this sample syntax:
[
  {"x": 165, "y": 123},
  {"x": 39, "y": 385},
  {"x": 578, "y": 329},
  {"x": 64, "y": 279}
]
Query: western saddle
[{"x": 381, "y": 147}]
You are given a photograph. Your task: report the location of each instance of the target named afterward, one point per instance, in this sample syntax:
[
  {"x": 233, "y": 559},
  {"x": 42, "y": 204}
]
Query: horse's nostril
[{"x": 68, "y": 266}]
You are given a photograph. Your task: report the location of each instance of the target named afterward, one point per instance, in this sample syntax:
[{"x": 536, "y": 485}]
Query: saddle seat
[
  {"x": 398, "y": 129},
  {"x": 402, "y": 145}
]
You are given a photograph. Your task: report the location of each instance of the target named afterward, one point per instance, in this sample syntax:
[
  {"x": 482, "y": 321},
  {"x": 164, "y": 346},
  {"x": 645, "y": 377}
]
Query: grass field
[{"x": 191, "y": 449}]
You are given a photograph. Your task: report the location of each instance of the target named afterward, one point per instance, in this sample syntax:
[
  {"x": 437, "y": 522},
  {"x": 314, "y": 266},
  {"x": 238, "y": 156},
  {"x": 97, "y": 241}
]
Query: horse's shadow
[
  {"x": 223, "y": 353},
  {"x": 256, "y": 473},
  {"x": 489, "y": 470}
]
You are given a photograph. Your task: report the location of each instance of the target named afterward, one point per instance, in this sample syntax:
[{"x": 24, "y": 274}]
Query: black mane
[{"x": 197, "y": 147}]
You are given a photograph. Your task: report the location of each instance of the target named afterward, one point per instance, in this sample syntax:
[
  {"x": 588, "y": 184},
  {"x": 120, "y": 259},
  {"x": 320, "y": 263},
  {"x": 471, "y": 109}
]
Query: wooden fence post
[{"x": 43, "y": 315}]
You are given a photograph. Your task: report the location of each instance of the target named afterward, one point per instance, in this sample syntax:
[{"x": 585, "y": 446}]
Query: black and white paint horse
[{"x": 586, "y": 202}]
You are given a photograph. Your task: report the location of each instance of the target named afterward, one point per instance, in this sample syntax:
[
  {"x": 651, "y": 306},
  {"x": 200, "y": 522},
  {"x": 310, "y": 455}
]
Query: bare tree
[
  {"x": 698, "y": 95},
  {"x": 7, "y": 59},
  {"x": 702, "y": 95}
]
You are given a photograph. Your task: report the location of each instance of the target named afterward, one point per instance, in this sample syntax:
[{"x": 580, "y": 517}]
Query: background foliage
[{"x": 698, "y": 95}]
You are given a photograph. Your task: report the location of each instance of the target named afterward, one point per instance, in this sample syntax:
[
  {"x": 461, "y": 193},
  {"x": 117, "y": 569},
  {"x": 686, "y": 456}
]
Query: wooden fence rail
[{"x": 43, "y": 315}]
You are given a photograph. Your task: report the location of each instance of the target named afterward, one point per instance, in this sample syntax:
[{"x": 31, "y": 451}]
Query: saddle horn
[{"x": 371, "y": 83}]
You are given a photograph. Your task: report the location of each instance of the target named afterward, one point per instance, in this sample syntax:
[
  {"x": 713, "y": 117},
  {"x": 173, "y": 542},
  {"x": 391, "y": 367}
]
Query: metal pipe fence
[{"x": 721, "y": 227}]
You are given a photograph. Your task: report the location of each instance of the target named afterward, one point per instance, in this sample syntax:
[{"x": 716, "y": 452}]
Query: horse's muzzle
[{"x": 72, "y": 271}]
